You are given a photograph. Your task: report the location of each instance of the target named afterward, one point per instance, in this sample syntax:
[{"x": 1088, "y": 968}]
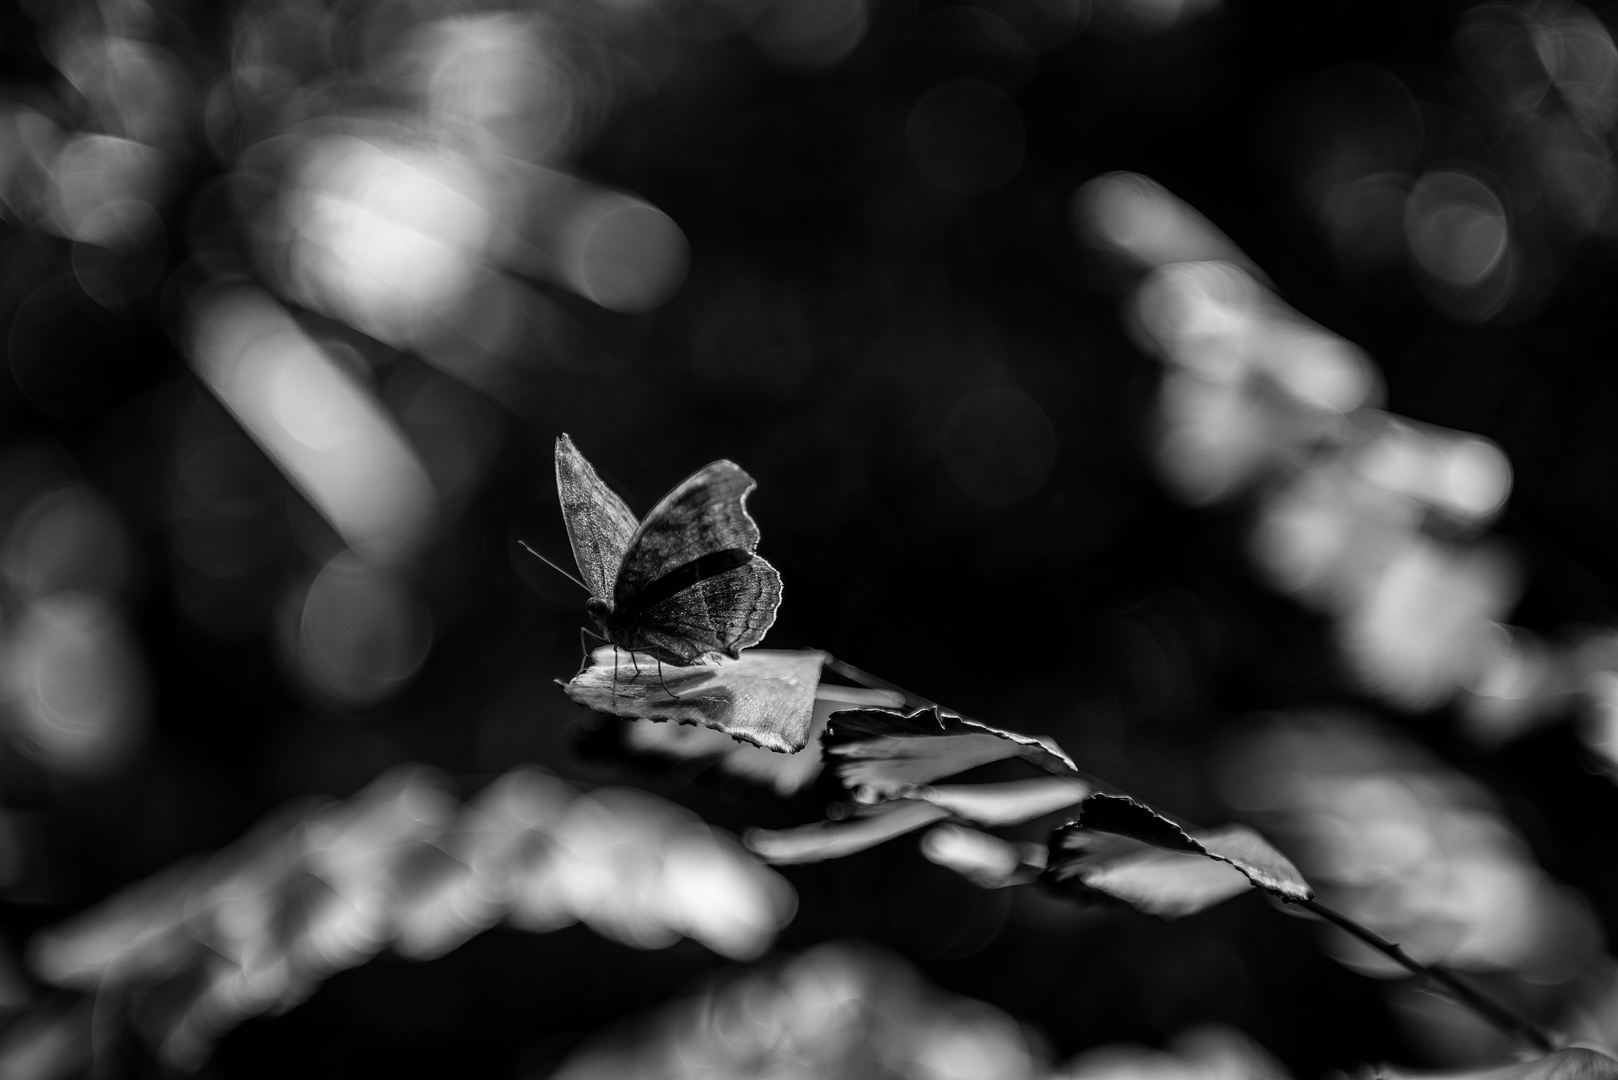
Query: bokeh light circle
[
  {"x": 77, "y": 683},
  {"x": 360, "y": 633},
  {"x": 67, "y": 538},
  {"x": 624, "y": 254},
  {"x": 1456, "y": 227}
]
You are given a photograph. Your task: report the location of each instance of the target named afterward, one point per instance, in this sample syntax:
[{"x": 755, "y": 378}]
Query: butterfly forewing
[
  {"x": 725, "y": 613},
  {"x": 683, "y": 583},
  {"x": 702, "y": 517},
  {"x": 599, "y": 525}
]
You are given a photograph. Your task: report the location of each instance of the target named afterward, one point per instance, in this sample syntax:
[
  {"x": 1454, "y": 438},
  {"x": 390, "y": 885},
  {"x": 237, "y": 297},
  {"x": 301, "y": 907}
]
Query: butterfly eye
[{"x": 596, "y": 607}]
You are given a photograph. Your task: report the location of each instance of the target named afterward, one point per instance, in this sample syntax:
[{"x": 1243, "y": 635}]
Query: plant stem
[{"x": 1501, "y": 1016}]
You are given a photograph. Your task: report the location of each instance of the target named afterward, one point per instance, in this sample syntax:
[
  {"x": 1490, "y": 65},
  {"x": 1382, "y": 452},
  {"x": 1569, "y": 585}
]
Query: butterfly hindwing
[
  {"x": 724, "y": 613},
  {"x": 599, "y": 525},
  {"x": 702, "y": 518}
]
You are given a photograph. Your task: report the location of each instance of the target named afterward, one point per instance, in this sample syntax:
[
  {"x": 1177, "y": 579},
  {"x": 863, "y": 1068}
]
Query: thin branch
[{"x": 1501, "y": 1016}]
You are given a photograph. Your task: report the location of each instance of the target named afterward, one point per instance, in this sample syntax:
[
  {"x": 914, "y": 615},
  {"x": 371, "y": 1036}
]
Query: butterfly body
[{"x": 684, "y": 583}]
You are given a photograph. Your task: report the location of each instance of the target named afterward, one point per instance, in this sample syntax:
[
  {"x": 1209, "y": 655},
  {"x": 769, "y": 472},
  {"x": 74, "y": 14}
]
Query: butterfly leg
[
  {"x": 660, "y": 681},
  {"x": 584, "y": 646}
]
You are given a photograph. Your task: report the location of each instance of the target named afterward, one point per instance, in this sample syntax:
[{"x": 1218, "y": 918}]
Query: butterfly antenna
[{"x": 524, "y": 545}]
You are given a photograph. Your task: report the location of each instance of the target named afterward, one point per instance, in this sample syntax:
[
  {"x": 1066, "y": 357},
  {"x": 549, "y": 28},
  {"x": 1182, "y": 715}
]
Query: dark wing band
[
  {"x": 703, "y": 515},
  {"x": 725, "y": 613},
  {"x": 683, "y": 577},
  {"x": 599, "y": 525}
]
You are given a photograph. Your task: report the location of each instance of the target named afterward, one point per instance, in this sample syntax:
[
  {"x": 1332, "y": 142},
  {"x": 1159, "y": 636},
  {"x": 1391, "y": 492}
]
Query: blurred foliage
[{"x": 314, "y": 890}]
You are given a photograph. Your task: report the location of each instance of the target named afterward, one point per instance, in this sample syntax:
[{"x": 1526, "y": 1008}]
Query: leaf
[
  {"x": 1170, "y": 884},
  {"x": 1076, "y": 852},
  {"x": 1006, "y": 804},
  {"x": 891, "y": 752},
  {"x": 1237, "y": 845},
  {"x": 766, "y": 697},
  {"x": 872, "y": 824},
  {"x": 1264, "y": 866},
  {"x": 683, "y": 752},
  {"x": 986, "y": 861},
  {"x": 834, "y": 839}
]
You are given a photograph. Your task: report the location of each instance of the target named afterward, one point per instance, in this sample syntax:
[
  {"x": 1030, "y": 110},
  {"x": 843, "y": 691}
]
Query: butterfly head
[{"x": 601, "y": 610}]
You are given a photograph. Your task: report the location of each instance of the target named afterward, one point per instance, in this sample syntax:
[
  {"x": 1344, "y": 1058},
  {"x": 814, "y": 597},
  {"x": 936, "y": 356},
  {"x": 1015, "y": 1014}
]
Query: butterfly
[{"x": 682, "y": 585}]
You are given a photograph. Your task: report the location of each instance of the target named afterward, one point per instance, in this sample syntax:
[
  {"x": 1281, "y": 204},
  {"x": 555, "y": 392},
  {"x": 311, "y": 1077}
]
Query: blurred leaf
[
  {"x": 893, "y": 756},
  {"x": 986, "y": 861},
  {"x": 1132, "y": 872},
  {"x": 1574, "y": 1063},
  {"x": 1006, "y": 804},
  {"x": 140, "y": 932},
  {"x": 891, "y": 752},
  {"x": 317, "y": 888},
  {"x": 872, "y": 824},
  {"x": 1170, "y": 884},
  {"x": 821, "y": 840},
  {"x": 766, "y": 697},
  {"x": 1206, "y": 1052},
  {"x": 838, "y": 1011},
  {"x": 53, "y": 1042}
]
